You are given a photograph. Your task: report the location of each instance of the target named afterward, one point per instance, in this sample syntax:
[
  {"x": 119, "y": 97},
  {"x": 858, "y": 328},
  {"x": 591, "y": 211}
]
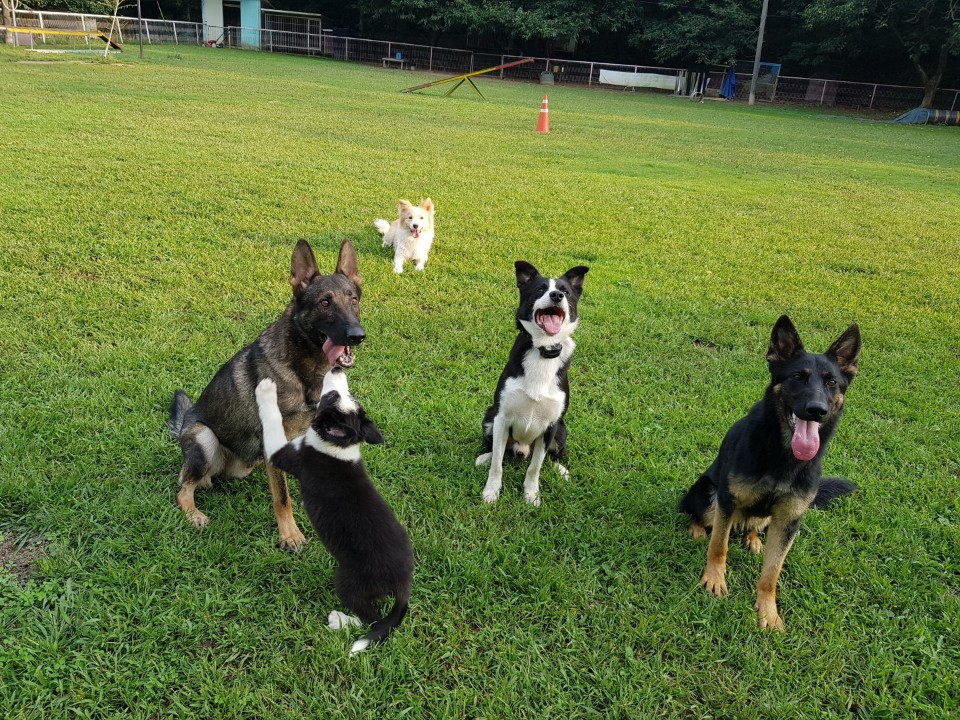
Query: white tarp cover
[{"x": 635, "y": 79}]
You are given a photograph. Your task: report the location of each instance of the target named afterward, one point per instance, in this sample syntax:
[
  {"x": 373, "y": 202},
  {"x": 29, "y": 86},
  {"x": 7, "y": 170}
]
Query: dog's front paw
[
  {"x": 714, "y": 581},
  {"x": 398, "y": 269},
  {"x": 532, "y": 498},
  {"x": 266, "y": 393},
  {"x": 197, "y": 519},
  {"x": 697, "y": 530},
  {"x": 292, "y": 540},
  {"x": 769, "y": 617},
  {"x": 419, "y": 265},
  {"x": 491, "y": 492}
]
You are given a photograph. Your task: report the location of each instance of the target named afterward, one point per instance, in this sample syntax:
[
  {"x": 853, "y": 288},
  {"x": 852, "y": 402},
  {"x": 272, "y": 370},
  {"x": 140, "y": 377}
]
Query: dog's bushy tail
[
  {"x": 699, "y": 498},
  {"x": 381, "y": 225},
  {"x": 382, "y": 628},
  {"x": 178, "y": 413},
  {"x": 830, "y": 489}
]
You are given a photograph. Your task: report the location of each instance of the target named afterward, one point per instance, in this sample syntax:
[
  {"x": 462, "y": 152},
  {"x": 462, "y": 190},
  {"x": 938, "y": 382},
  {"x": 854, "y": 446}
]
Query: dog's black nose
[
  {"x": 356, "y": 336},
  {"x": 816, "y": 411},
  {"x": 556, "y": 296}
]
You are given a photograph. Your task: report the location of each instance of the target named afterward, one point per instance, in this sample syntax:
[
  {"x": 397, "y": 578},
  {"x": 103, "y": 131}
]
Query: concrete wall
[{"x": 212, "y": 19}]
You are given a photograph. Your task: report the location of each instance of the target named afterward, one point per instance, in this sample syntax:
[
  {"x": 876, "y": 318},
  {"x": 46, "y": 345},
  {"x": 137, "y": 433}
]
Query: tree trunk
[
  {"x": 7, "y": 19},
  {"x": 931, "y": 83}
]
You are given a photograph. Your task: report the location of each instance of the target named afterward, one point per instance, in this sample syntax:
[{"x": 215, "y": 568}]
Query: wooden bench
[{"x": 392, "y": 61}]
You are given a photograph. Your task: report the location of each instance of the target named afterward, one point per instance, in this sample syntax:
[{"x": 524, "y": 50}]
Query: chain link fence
[{"x": 288, "y": 37}]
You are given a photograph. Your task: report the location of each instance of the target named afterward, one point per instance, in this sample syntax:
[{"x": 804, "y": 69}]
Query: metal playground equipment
[{"x": 465, "y": 78}]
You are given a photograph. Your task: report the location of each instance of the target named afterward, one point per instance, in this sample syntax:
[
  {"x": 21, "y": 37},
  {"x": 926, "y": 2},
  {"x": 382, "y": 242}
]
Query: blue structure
[
  {"x": 929, "y": 116},
  {"x": 249, "y": 22}
]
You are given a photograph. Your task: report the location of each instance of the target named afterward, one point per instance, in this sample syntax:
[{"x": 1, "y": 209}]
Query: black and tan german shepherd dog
[
  {"x": 768, "y": 472},
  {"x": 221, "y": 434}
]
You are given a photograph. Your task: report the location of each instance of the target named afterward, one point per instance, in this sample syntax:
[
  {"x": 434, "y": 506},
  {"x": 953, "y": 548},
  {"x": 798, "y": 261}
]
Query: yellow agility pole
[
  {"x": 465, "y": 78},
  {"x": 75, "y": 33}
]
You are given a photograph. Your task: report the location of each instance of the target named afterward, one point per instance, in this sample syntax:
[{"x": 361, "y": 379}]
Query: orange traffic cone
[{"x": 543, "y": 124}]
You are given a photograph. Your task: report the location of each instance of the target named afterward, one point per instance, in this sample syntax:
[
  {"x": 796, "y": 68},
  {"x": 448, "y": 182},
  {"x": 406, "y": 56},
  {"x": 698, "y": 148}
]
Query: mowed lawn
[{"x": 148, "y": 210}]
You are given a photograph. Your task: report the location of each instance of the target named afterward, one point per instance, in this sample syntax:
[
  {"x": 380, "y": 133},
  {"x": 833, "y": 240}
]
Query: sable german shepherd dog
[
  {"x": 221, "y": 434},
  {"x": 768, "y": 471}
]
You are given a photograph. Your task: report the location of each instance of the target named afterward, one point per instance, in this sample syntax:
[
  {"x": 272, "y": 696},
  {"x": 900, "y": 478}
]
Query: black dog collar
[{"x": 551, "y": 351}]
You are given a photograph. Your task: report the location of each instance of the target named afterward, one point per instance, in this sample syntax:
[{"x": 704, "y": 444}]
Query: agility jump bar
[
  {"x": 72, "y": 33},
  {"x": 465, "y": 78}
]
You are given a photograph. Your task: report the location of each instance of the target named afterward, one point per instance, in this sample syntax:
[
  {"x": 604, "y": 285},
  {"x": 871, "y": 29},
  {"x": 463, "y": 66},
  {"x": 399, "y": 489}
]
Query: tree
[
  {"x": 927, "y": 30},
  {"x": 554, "y": 21},
  {"x": 700, "y": 31}
]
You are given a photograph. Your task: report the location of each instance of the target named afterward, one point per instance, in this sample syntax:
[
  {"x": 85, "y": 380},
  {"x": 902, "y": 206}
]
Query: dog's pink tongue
[
  {"x": 333, "y": 352},
  {"x": 552, "y": 323},
  {"x": 415, "y": 232},
  {"x": 806, "y": 439}
]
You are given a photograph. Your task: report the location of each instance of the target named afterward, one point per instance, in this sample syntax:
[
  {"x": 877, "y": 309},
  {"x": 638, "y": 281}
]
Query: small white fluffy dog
[{"x": 411, "y": 234}]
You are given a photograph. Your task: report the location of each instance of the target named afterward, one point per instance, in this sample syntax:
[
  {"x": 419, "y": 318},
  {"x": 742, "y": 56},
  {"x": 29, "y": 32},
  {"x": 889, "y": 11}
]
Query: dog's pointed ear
[
  {"x": 405, "y": 207},
  {"x": 784, "y": 341},
  {"x": 574, "y": 276},
  {"x": 370, "y": 432},
  {"x": 846, "y": 351},
  {"x": 347, "y": 263},
  {"x": 525, "y": 272},
  {"x": 303, "y": 267},
  {"x": 427, "y": 205}
]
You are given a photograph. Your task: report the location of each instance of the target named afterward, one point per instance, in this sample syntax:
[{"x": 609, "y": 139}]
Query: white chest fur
[{"x": 534, "y": 401}]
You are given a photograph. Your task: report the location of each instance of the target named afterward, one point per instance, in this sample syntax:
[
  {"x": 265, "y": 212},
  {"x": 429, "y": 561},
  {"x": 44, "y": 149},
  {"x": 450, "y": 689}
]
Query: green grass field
[{"x": 148, "y": 210}]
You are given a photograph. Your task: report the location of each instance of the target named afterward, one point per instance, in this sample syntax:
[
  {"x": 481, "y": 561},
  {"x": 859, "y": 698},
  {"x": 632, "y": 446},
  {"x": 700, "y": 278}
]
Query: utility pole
[{"x": 756, "y": 59}]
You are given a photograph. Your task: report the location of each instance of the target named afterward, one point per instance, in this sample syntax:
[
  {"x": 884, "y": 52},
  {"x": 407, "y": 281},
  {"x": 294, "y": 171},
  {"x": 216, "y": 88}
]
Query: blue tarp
[{"x": 729, "y": 85}]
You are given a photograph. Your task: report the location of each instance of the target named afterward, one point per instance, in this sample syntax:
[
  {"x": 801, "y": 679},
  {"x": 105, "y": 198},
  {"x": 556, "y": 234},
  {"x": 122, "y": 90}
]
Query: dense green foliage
[{"x": 147, "y": 215}]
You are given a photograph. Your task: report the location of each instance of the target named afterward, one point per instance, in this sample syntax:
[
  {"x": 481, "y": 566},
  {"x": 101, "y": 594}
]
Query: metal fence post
[
  {"x": 176, "y": 41},
  {"x": 502, "y": 62},
  {"x": 389, "y": 49},
  {"x": 346, "y": 48},
  {"x": 146, "y": 24},
  {"x": 590, "y": 78},
  {"x": 872, "y": 96},
  {"x": 824, "y": 93},
  {"x": 954, "y": 103},
  {"x": 430, "y": 61}
]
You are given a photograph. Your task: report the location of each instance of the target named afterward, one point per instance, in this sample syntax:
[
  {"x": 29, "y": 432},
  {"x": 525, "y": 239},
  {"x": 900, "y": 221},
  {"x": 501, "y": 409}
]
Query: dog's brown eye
[
  {"x": 831, "y": 382},
  {"x": 799, "y": 376}
]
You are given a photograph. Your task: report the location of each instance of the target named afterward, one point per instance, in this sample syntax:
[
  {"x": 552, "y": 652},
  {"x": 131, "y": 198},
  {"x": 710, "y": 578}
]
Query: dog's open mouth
[
  {"x": 415, "y": 232},
  {"x": 550, "y": 319},
  {"x": 806, "y": 438},
  {"x": 341, "y": 355}
]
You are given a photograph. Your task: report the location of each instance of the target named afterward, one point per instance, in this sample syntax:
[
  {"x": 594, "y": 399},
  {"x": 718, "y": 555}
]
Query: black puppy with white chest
[
  {"x": 354, "y": 522},
  {"x": 533, "y": 392}
]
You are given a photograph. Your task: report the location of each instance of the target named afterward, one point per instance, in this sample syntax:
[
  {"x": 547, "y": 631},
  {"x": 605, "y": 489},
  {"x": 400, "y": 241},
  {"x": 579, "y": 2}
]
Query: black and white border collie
[
  {"x": 532, "y": 395},
  {"x": 354, "y": 522}
]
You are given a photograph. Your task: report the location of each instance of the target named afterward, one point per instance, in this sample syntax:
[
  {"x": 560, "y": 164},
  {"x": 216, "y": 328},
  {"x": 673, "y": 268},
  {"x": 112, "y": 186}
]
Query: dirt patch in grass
[{"x": 19, "y": 553}]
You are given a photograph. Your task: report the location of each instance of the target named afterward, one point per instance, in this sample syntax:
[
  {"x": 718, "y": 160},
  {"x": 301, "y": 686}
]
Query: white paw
[
  {"x": 484, "y": 459},
  {"x": 419, "y": 265},
  {"x": 564, "y": 473},
  {"x": 266, "y": 392},
  {"x": 398, "y": 269},
  {"x": 532, "y": 498},
  {"x": 491, "y": 495},
  {"x": 337, "y": 620},
  {"x": 359, "y": 646}
]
